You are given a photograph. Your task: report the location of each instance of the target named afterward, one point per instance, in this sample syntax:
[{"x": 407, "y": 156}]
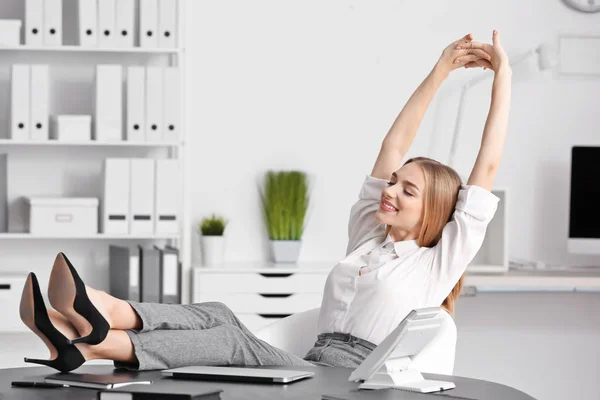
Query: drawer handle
[
  {"x": 63, "y": 218},
  {"x": 274, "y": 316},
  {"x": 276, "y": 295},
  {"x": 276, "y": 275},
  {"x": 5, "y": 286}
]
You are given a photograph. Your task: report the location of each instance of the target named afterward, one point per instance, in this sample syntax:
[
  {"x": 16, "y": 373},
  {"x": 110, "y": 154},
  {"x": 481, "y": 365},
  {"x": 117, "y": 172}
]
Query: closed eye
[
  {"x": 390, "y": 183},
  {"x": 408, "y": 193}
]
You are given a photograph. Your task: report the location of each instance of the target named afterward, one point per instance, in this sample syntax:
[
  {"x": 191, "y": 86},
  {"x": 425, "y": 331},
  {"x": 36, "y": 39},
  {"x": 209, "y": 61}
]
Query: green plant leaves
[
  {"x": 213, "y": 226},
  {"x": 284, "y": 202}
]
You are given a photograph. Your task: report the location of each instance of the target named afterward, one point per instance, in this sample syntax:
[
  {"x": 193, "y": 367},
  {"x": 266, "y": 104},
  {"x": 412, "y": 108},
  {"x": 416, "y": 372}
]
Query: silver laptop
[{"x": 238, "y": 374}]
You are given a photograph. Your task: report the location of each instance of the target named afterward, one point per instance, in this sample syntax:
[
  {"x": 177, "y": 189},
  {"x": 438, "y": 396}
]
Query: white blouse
[{"x": 397, "y": 277}]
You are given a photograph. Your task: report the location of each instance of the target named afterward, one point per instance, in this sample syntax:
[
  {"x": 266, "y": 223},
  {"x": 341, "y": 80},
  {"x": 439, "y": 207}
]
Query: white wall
[{"x": 315, "y": 85}]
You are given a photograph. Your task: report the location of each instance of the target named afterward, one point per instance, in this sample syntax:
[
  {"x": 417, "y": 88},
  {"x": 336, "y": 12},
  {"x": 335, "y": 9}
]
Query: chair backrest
[{"x": 297, "y": 334}]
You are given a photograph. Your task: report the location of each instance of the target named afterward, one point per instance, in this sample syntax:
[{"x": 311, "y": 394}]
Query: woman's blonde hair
[{"x": 442, "y": 184}]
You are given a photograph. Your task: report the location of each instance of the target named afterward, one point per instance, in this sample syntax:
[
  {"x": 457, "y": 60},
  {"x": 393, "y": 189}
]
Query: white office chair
[{"x": 297, "y": 334}]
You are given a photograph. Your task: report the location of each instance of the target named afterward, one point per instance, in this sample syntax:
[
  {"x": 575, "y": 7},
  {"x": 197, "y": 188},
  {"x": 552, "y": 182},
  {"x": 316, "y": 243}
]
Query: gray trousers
[{"x": 177, "y": 335}]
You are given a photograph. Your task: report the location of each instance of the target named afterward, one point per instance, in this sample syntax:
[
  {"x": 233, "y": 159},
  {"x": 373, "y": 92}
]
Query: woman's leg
[
  {"x": 144, "y": 317},
  {"x": 186, "y": 317},
  {"x": 221, "y": 345}
]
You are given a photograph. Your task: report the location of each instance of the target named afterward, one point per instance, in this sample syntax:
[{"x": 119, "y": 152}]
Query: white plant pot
[
  {"x": 285, "y": 251},
  {"x": 213, "y": 250}
]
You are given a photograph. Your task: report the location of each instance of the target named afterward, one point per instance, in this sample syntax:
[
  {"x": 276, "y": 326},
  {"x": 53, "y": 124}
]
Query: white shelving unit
[
  {"x": 79, "y": 49},
  {"x": 91, "y": 143},
  {"x": 75, "y": 65}
]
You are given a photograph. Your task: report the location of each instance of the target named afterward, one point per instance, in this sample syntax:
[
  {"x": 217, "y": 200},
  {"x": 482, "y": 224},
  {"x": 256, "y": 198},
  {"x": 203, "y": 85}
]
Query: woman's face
[{"x": 404, "y": 193}]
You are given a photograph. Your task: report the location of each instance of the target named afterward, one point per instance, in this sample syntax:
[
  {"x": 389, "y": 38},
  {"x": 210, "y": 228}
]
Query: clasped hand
[{"x": 471, "y": 54}]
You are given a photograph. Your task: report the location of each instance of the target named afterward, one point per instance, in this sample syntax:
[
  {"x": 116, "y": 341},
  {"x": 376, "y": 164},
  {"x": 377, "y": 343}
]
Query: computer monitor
[{"x": 584, "y": 204}]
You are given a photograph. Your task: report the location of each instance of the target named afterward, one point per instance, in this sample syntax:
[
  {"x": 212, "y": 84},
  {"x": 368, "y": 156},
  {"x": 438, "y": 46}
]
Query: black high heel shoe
[
  {"x": 67, "y": 294},
  {"x": 65, "y": 357}
]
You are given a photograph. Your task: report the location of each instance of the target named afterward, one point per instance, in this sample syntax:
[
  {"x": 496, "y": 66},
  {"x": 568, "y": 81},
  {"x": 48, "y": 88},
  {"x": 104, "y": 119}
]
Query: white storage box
[
  {"x": 72, "y": 128},
  {"x": 10, "y": 32},
  {"x": 11, "y": 287},
  {"x": 63, "y": 216}
]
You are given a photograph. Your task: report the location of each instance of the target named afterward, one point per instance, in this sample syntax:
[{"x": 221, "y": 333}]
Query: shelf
[
  {"x": 59, "y": 143},
  {"x": 266, "y": 267},
  {"x": 102, "y": 236},
  {"x": 536, "y": 280},
  {"x": 79, "y": 49}
]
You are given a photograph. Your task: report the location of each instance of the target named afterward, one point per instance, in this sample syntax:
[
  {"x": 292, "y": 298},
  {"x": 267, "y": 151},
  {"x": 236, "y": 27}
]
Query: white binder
[
  {"x": 116, "y": 196},
  {"x": 109, "y": 108},
  {"x": 167, "y": 23},
  {"x": 88, "y": 23},
  {"x": 19, "y": 98},
  {"x": 136, "y": 103},
  {"x": 141, "y": 200},
  {"x": 106, "y": 23},
  {"x": 34, "y": 22},
  {"x": 53, "y": 29},
  {"x": 171, "y": 105},
  {"x": 167, "y": 196},
  {"x": 39, "y": 91},
  {"x": 149, "y": 23},
  {"x": 154, "y": 104},
  {"x": 124, "y": 23}
]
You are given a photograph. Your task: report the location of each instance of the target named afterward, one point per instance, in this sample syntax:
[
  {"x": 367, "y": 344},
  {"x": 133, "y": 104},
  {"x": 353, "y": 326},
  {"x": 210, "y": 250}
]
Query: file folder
[
  {"x": 39, "y": 116},
  {"x": 149, "y": 23},
  {"x": 154, "y": 103},
  {"x": 170, "y": 269},
  {"x": 53, "y": 22},
  {"x": 141, "y": 203},
  {"x": 124, "y": 270},
  {"x": 171, "y": 105},
  {"x": 109, "y": 108},
  {"x": 19, "y": 98},
  {"x": 150, "y": 267},
  {"x": 136, "y": 103},
  {"x": 107, "y": 11},
  {"x": 34, "y": 22},
  {"x": 3, "y": 192},
  {"x": 124, "y": 24},
  {"x": 116, "y": 196},
  {"x": 167, "y": 23},
  {"x": 167, "y": 197},
  {"x": 88, "y": 23}
]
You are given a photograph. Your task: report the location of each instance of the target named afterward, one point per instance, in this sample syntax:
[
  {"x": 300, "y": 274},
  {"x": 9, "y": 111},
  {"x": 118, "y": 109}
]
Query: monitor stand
[{"x": 396, "y": 373}]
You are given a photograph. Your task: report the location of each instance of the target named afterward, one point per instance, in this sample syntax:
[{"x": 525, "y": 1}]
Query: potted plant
[
  {"x": 284, "y": 202},
  {"x": 213, "y": 241}
]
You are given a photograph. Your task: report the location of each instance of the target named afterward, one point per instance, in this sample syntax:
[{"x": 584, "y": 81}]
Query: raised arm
[
  {"x": 402, "y": 133},
  {"x": 494, "y": 132}
]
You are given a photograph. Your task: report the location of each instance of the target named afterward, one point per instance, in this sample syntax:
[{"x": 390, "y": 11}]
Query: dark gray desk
[{"x": 326, "y": 380}]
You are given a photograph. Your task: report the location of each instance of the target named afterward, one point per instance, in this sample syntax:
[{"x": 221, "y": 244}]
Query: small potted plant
[
  {"x": 213, "y": 241},
  {"x": 284, "y": 202}
]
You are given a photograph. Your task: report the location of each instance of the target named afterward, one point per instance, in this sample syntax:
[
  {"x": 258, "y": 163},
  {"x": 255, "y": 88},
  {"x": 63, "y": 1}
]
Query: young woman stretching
[{"x": 412, "y": 233}]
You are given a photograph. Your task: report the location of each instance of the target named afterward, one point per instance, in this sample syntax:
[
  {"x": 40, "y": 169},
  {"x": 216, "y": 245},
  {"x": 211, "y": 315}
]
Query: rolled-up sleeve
[
  {"x": 462, "y": 237},
  {"x": 362, "y": 225}
]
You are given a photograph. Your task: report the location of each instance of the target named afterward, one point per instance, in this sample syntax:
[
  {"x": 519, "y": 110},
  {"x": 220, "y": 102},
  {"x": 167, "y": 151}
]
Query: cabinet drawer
[
  {"x": 259, "y": 282},
  {"x": 264, "y": 303},
  {"x": 255, "y": 322},
  {"x": 11, "y": 288}
]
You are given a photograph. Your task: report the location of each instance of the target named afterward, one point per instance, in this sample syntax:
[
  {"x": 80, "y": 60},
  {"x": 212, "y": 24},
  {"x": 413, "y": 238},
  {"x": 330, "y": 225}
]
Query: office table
[{"x": 326, "y": 380}]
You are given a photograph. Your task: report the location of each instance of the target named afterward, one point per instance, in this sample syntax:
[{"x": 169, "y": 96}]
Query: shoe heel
[{"x": 47, "y": 363}]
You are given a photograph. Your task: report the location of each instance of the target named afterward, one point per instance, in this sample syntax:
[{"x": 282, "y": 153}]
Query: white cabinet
[
  {"x": 259, "y": 295},
  {"x": 11, "y": 287}
]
